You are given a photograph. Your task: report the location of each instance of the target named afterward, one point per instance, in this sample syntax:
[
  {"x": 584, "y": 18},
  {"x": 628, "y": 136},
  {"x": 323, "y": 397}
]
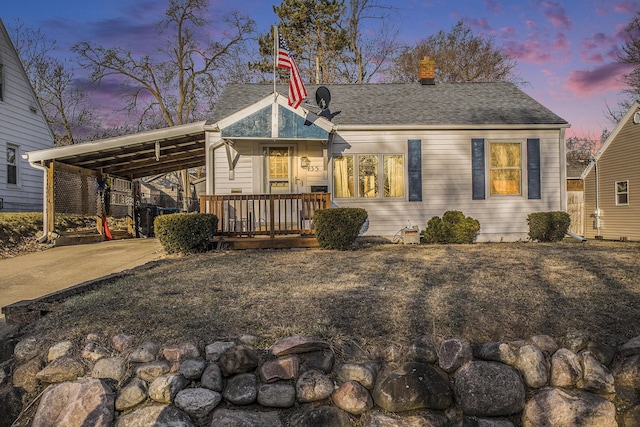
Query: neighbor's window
[
  {"x": 505, "y": 168},
  {"x": 12, "y": 165},
  {"x": 622, "y": 193},
  {"x": 368, "y": 175}
]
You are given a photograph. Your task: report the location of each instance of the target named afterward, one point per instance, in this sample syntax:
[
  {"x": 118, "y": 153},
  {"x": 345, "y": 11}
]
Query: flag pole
[{"x": 275, "y": 59}]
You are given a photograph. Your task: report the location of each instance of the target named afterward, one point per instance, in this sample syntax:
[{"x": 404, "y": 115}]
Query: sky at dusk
[{"x": 566, "y": 50}]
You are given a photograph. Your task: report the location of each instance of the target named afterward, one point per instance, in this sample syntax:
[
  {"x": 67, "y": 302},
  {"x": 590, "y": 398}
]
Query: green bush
[
  {"x": 185, "y": 232},
  {"x": 548, "y": 226},
  {"x": 338, "y": 228},
  {"x": 453, "y": 227}
]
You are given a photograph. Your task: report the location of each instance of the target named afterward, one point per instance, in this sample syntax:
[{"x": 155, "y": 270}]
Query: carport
[{"x": 72, "y": 173}]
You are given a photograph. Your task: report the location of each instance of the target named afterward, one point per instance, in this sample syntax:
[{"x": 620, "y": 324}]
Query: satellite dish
[{"x": 323, "y": 97}]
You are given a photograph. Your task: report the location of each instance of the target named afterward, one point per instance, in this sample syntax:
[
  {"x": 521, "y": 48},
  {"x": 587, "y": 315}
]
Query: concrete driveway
[{"x": 37, "y": 274}]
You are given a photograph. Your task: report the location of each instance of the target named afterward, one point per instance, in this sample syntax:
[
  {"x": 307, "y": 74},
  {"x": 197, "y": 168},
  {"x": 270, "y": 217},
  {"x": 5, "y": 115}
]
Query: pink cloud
[
  {"x": 493, "y": 6},
  {"x": 528, "y": 51},
  {"x": 597, "y": 80},
  {"x": 561, "y": 43},
  {"x": 626, "y": 7},
  {"x": 479, "y": 23},
  {"x": 597, "y": 47},
  {"x": 531, "y": 24},
  {"x": 556, "y": 14}
]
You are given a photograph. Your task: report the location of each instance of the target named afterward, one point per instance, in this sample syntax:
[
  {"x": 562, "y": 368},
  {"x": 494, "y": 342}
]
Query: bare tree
[
  {"x": 630, "y": 54},
  {"x": 459, "y": 55}
]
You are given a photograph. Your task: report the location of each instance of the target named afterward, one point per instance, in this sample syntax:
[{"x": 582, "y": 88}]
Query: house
[
  {"x": 404, "y": 152},
  {"x": 23, "y": 128},
  {"x": 610, "y": 210}
]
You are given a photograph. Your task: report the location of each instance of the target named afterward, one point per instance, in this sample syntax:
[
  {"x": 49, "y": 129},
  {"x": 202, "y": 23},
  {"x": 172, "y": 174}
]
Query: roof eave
[{"x": 492, "y": 126}]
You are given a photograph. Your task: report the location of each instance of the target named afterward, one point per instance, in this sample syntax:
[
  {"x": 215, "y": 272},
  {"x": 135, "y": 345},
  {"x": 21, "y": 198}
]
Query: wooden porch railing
[{"x": 265, "y": 214}]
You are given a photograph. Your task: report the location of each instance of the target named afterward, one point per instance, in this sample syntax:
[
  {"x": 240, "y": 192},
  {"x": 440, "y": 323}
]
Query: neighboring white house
[{"x": 23, "y": 128}]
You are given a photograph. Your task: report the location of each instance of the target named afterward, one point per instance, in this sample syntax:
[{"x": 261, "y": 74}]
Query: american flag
[{"x": 297, "y": 91}]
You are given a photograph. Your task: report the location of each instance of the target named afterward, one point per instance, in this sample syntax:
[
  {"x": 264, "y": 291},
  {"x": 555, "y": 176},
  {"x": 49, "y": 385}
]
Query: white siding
[
  {"x": 21, "y": 127},
  {"x": 446, "y": 173}
]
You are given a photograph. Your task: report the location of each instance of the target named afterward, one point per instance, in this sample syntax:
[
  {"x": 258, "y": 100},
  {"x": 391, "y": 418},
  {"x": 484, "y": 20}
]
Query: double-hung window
[
  {"x": 622, "y": 193},
  {"x": 505, "y": 168},
  {"x": 12, "y": 165},
  {"x": 369, "y": 176}
]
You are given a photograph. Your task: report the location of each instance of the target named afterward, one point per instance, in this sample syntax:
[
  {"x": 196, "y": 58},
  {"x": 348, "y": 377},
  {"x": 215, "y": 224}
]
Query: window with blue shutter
[
  {"x": 533, "y": 168},
  {"x": 415, "y": 170},
  {"x": 477, "y": 169}
]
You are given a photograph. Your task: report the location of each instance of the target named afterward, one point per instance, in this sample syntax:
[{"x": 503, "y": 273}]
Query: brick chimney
[{"x": 426, "y": 71}]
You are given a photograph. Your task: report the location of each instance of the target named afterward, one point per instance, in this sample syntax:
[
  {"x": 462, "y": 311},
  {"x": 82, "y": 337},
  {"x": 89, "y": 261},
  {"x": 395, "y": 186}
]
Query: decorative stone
[
  {"x": 423, "y": 350},
  {"x": 319, "y": 360},
  {"x": 365, "y": 373},
  {"x": 631, "y": 347},
  {"x": 180, "y": 352},
  {"x": 489, "y": 389},
  {"x": 197, "y": 402},
  {"x": 453, "y": 354},
  {"x": 428, "y": 419},
  {"x": 152, "y": 370},
  {"x": 298, "y": 344},
  {"x": 603, "y": 353},
  {"x": 545, "y": 343},
  {"x": 576, "y": 341},
  {"x": 114, "y": 368},
  {"x": 10, "y": 405},
  {"x": 212, "y": 378},
  {"x": 60, "y": 349},
  {"x": 561, "y": 407},
  {"x": 156, "y": 415},
  {"x": 238, "y": 360},
  {"x": 533, "y": 365},
  {"x": 566, "y": 368},
  {"x": 131, "y": 394},
  {"x": 412, "y": 386},
  {"x": 629, "y": 418},
  {"x": 277, "y": 395},
  {"x": 595, "y": 377},
  {"x": 240, "y": 418},
  {"x": 284, "y": 368},
  {"x": 325, "y": 416},
  {"x": 250, "y": 340},
  {"x": 26, "y": 349},
  {"x": 241, "y": 389},
  {"x": 145, "y": 352},
  {"x": 61, "y": 370},
  {"x": 217, "y": 349},
  {"x": 313, "y": 386},
  {"x": 164, "y": 388},
  {"x": 497, "y": 352},
  {"x": 627, "y": 374},
  {"x": 352, "y": 397},
  {"x": 192, "y": 369},
  {"x": 94, "y": 352},
  {"x": 24, "y": 375},
  {"x": 123, "y": 342},
  {"x": 85, "y": 402}
]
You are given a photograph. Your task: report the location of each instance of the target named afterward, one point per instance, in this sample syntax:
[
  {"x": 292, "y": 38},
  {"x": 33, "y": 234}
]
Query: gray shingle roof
[{"x": 408, "y": 103}]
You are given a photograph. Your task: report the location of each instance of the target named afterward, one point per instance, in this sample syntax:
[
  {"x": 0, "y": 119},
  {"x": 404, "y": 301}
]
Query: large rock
[
  {"x": 318, "y": 360},
  {"x": 81, "y": 403},
  {"x": 93, "y": 352},
  {"x": 156, "y": 416},
  {"x": 180, "y": 352},
  {"x": 497, "y": 352},
  {"x": 212, "y": 378},
  {"x": 10, "y": 405},
  {"x": 298, "y": 344},
  {"x": 239, "y": 418},
  {"x": 63, "y": 348},
  {"x": 352, "y": 397},
  {"x": 533, "y": 365},
  {"x": 453, "y": 354},
  {"x": 197, "y": 402},
  {"x": 545, "y": 343},
  {"x": 192, "y": 369},
  {"x": 24, "y": 376},
  {"x": 151, "y": 370},
  {"x": 114, "y": 368},
  {"x": 279, "y": 395},
  {"x": 489, "y": 389},
  {"x": 61, "y": 370},
  {"x": 313, "y": 386},
  {"x": 132, "y": 393},
  {"x": 164, "y": 388},
  {"x": 566, "y": 369},
  {"x": 568, "y": 408},
  {"x": 412, "y": 386},
  {"x": 238, "y": 360},
  {"x": 241, "y": 389},
  {"x": 427, "y": 419},
  {"x": 631, "y": 347},
  {"x": 283, "y": 368},
  {"x": 627, "y": 374},
  {"x": 214, "y": 351},
  {"x": 422, "y": 350},
  {"x": 123, "y": 342},
  {"x": 27, "y": 349},
  {"x": 365, "y": 373},
  {"x": 324, "y": 416},
  {"x": 576, "y": 341},
  {"x": 596, "y": 377},
  {"x": 145, "y": 352}
]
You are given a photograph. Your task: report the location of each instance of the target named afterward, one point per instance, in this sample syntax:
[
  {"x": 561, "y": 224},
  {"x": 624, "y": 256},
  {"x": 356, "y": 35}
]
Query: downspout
[
  {"x": 45, "y": 210},
  {"x": 597, "y": 212}
]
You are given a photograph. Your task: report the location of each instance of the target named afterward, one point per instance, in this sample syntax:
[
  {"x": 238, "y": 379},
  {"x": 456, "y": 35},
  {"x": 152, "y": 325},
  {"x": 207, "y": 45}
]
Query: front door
[{"x": 278, "y": 165}]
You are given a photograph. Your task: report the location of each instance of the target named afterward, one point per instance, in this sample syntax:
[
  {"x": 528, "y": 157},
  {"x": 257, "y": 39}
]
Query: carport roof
[{"x": 134, "y": 156}]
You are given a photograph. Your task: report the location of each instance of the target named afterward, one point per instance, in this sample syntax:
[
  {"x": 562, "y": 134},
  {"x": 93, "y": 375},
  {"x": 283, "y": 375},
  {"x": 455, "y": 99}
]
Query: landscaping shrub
[
  {"x": 548, "y": 226},
  {"x": 453, "y": 227},
  {"x": 185, "y": 232},
  {"x": 338, "y": 228}
]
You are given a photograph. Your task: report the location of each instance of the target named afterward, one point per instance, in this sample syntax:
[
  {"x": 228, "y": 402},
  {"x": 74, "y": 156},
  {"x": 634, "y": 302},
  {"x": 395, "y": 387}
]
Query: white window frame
[
  {"x": 619, "y": 193},
  {"x": 16, "y": 163},
  {"x": 380, "y": 177}
]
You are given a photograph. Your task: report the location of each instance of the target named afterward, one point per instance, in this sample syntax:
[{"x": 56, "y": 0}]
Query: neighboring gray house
[{"x": 23, "y": 128}]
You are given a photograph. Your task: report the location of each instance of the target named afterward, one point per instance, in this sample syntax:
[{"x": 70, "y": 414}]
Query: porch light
[{"x": 304, "y": 162}]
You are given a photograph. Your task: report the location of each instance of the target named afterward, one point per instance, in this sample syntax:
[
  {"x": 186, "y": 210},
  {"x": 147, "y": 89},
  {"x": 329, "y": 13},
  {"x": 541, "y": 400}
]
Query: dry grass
[{"x": 375, "y": 296}]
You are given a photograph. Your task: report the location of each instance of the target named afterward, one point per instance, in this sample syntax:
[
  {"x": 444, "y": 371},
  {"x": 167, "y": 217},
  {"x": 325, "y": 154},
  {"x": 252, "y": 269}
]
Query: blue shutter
[
  {"x": 533, "y": 168},
  {"x": 478, "y": 169},
  {"x": 415, "y": 169}
]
